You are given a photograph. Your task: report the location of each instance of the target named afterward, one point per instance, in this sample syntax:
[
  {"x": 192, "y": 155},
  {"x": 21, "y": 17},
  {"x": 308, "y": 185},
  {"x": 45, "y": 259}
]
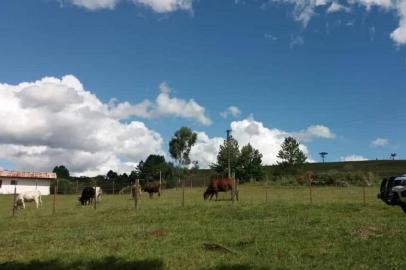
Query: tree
[
  {"x": 290, "y": 154},
  {"x": 181, "y": 144},
  {"x": 150, "y": 169},
  {"x": 111, "y": 175},
  {"x": 250, "y": 164},
  {"x": 61, "y": 172},
  {"x": 231, "y": 148},
  {"x": 323, "y": 155},
  {"x": 393, "y": 155}
]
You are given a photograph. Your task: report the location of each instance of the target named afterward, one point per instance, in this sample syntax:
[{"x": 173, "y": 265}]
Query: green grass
[{"x": 336, "y": 231}]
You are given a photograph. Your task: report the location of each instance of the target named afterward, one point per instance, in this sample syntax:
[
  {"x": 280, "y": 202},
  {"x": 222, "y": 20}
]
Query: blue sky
[{"x": 341, "y": 70}]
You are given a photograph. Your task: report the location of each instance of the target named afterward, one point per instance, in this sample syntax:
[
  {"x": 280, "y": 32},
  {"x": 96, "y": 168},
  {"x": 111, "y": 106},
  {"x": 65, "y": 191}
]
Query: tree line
[{"x": 245, "y": 164}]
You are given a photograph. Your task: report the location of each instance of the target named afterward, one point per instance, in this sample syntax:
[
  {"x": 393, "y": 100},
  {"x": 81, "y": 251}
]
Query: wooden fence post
[
  {"x": 77, "y": 186},
  {"x": 266, "y": 196},
  {"x": 160, "y": 182},
  {"x": 114, "y": 183},
  {"x": 310, "y": 191},
  {"x": 136, "y": 189},
  {"x": 54, "y": 201},
  {"x": 14, "y": 200},
  {"x": 363, "y": 195},
  {"x": 95, "y": 194},
  {"x": 183, "y": 192}
]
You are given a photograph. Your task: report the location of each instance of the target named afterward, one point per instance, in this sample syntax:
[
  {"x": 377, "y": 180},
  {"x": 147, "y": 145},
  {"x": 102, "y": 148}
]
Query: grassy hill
[{"x": 382, "y": 168}]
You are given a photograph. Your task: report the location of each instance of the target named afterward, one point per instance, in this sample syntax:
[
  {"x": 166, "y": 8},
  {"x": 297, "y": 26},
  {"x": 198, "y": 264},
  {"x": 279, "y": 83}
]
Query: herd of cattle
[{"x": 90, "y": 195}]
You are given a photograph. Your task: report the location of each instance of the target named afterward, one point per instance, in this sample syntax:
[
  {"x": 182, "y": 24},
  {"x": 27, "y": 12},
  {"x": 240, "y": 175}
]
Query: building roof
[{"x": 28, "y": 175}]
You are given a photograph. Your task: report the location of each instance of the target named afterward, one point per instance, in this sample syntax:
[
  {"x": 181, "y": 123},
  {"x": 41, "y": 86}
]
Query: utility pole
[{"x": 228, "y": 152}]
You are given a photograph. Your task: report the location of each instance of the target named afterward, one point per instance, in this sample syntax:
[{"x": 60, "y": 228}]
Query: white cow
[
  {"x": 28, "y": 196},
  {"x": 99, "y": 193}
]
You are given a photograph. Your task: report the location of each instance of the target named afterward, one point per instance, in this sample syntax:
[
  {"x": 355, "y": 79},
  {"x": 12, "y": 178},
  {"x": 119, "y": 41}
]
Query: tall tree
[
  {"x": 111, "y": 175},
  {"x": 181, "y": 144},
  {"x": 290, "y": 154},
  {"x": 229, "y": 149},
  {"x": 250, "y": 163},
  {"x": 61, "y": 172},
  {"x": 150, "y": 169}
]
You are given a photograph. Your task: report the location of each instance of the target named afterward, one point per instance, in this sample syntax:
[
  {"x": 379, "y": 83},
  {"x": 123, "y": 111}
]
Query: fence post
[
  {"x": 160, "y": 182},
  {"x": 310, "y": 190},
  {"x": 363, "y": 195},
  {"x": 234, "y": 189},
  {"x": 191, "y": 184},
  {"x": 55, "y": 191},
  {"x": 77, "y": 186},
  {"x": 136, "y": 188},
  {"x": 183, "y": 192},
  {"x": 114, "y": 183},
  {"x": 266, "y": 196},
  {"x": 95, "y": 194},
  {"x": 14, "y": 200}
]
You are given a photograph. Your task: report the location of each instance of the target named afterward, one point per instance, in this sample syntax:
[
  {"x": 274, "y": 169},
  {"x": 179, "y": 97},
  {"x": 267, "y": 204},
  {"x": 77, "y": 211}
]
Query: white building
[{"x": 25, "y": 181}]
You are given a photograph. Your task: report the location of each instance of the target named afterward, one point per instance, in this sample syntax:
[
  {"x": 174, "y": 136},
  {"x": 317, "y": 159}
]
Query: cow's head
[{"x": 17, "y": 204}]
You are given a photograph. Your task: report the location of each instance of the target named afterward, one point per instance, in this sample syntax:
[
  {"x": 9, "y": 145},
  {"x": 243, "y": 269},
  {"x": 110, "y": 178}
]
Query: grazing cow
[
  {"x": 87, "y": 196},
  {"x": 28, "y": 196},
  {"x": 219, "y": 185},
  {"x": 136, "y": 189},
  {"x": 151, "y": 188}
]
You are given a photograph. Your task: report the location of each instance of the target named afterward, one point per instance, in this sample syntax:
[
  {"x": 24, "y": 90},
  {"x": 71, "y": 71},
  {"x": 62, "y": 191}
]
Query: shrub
[{"x": 64, "y": 186}]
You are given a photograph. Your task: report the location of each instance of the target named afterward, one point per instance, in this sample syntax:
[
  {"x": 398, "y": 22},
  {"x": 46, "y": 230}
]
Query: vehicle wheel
[{"x": 403, "y": 206}]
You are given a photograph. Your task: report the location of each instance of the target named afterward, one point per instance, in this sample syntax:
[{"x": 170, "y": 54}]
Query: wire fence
[{"x": 186, "y": 192}]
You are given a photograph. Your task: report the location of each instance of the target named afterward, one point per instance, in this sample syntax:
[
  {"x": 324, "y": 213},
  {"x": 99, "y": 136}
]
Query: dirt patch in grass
[
  {"x": 217, "y": 247},
  {"x": 161, "y": 232},
  {"x": 366, "y": 232}
]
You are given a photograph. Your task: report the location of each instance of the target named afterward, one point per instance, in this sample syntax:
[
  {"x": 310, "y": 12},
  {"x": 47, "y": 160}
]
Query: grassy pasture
[{"x": 285, "y": 232}]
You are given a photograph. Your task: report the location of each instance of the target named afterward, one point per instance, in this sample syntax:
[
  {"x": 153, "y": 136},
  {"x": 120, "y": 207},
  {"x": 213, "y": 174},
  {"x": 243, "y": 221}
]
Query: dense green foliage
[
  {"x": 228, "y": 150},
  {"x": 290, "y": 154},
  {"x": 245, "y": 163},
  {"x": 155, "y": 167},
  {"x": 181, "y": 144},
  {"x": 65, "y": 186},
  {"x": 285, "y": 232},
  {"x": 61, "y": 172}
]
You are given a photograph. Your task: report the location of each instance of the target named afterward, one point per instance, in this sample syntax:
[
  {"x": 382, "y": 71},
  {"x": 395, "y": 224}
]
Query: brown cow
[{"x": 220, "y": 185}]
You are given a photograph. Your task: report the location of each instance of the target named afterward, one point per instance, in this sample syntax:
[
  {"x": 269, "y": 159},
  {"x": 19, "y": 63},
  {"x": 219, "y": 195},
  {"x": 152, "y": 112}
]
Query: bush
[
  {"x": 334, "y": 178},
  {"x": 64, "y": 186}
]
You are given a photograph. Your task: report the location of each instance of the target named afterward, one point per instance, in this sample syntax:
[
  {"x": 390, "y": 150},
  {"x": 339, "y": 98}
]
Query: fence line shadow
[
  {"x": 108, "y": 263},
  {"x": 242, "y": 267}
]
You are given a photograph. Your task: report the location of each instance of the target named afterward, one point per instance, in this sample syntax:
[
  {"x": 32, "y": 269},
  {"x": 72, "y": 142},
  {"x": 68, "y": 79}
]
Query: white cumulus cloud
[
  {"x": 336, "y": 7},
  {"x": 96, "y": 4},
  {"x": 159, "y": 6},
  {"x": 163, "y": 6},
  {"x": 353, "y": 158},
  {"x": 314, "y": 132},
  {"x": 380, "y": 142},
  {"x": 163, "y": 106},
  {"x": 232, "y": 110},
  {"x": 304, "y": 10},
  {"x": 56, "y": 121}
]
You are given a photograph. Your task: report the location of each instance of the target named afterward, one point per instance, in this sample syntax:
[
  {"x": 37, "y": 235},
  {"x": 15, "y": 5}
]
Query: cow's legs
[{"x": 23, "y": 204}]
